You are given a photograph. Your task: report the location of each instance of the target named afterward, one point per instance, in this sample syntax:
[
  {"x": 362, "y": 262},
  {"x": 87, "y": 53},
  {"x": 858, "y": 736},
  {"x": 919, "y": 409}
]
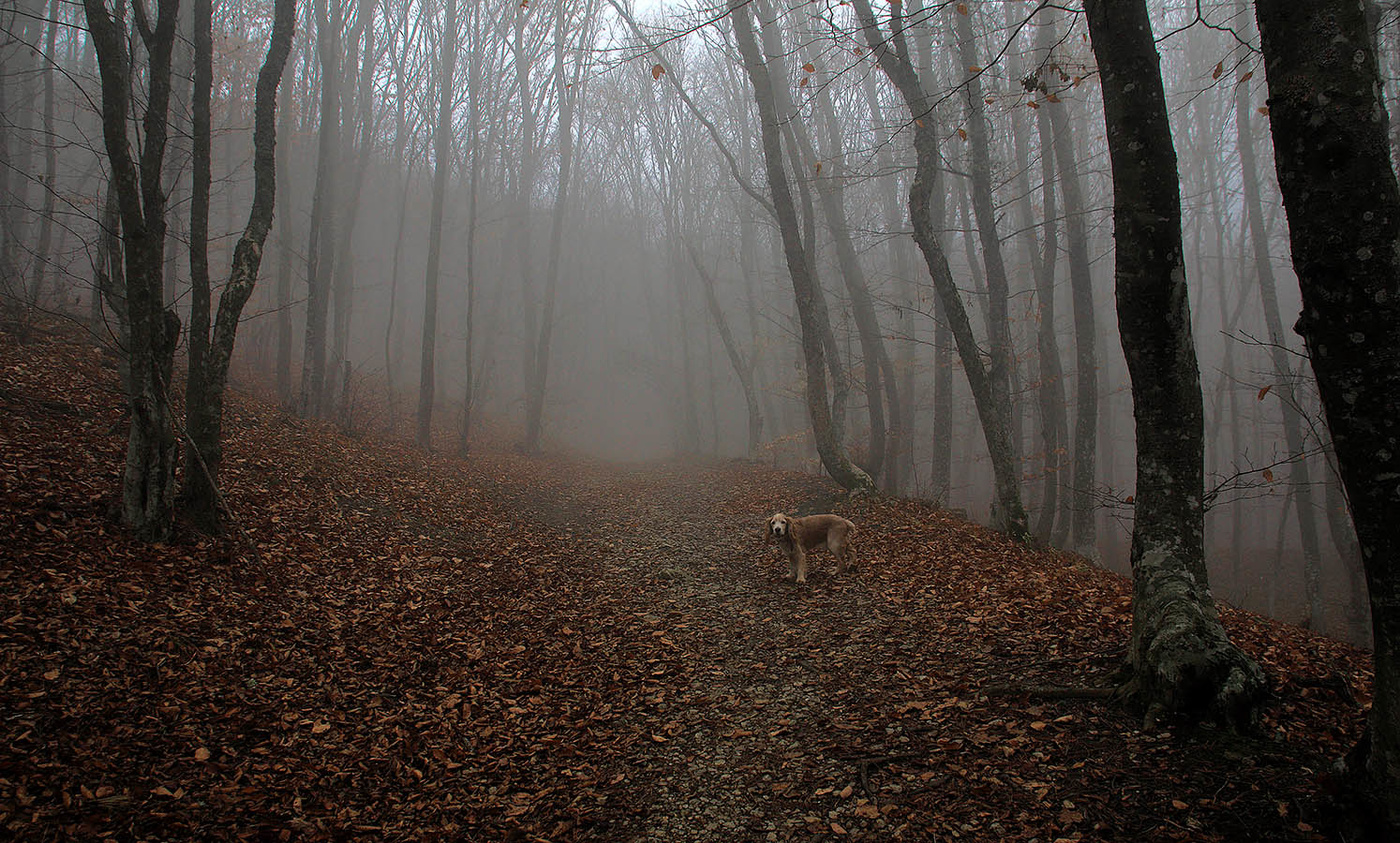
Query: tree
[
  {"x": 795, "y": 253},
  {"x": 1343, "y": 204},
  {"x": 442, "y": 165},
  {"x": 990, "y": 390},
  {"x": 1180, "y": 656},
  {"x": 148, "y": 481},
  {"x": 1284, "y": 383},
  {"x": 208, "y": 375},
  {"x": 320, "y": 250}
]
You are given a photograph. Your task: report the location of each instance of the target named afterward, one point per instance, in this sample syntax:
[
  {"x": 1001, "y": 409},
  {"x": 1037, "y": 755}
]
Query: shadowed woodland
[{"x": 393, "y": 394}]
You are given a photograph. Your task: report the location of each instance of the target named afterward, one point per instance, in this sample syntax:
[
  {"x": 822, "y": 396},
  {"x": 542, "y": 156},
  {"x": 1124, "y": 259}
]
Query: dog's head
[{"x": 779, "y": 528}]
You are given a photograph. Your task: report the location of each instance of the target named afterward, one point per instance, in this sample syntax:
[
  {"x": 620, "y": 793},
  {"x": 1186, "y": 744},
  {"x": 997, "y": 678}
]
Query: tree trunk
[
  {"x": 149, "y": 477},
  {"x": 1050, "y": 393},
  {"x": 1284, "y": 384},
  {"x": 1343, "y": 204},
  {"x": 320, "y": 250},
  {"x": 988, "y": 392},
  {"x": 50, "y": 187},
  {"x": 1083, "y": 536},
  {"x": 442, "y": 165},
  {"x": 209, "y": 379},
  {"x": 284, "y": 261},
  {"x": 1181, "y": 658},
  {"x": 833, "y": 458},
  {"x": 567, "y": 95}
]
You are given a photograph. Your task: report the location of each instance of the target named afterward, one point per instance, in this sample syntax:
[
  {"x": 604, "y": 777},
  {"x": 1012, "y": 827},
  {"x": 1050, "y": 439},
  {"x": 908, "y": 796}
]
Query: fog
[{"x": 576, "y": 166}]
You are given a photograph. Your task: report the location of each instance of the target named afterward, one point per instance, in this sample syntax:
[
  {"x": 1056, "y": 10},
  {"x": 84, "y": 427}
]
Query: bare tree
[
  {"x": 798, "y": 261},
  {"x": 990, "y": 389},
  {"x": 1180, "y": 655},
  {"x": 442, "y": 166},
  {"x": 204, "y": 401}
]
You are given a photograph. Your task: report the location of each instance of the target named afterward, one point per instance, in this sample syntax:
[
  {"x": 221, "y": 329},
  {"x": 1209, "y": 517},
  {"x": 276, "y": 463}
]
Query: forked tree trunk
[
  {"x": 833, "y": 458},
  {"x": 148, "y": 482},
  {"x": 209, "y": 379},
  {"x": 1343, "y": 204},
  {"x": 1181, "y": 658}
]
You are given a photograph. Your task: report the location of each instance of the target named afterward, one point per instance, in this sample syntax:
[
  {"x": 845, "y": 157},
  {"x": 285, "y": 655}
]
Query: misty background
[{"x": 590, "y": 213}]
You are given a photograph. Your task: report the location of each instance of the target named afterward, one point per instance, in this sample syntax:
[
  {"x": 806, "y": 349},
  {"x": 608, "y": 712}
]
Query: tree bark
[
  {"x": 1339, "y": 190},
  {"x": 1181, "y": 658}
]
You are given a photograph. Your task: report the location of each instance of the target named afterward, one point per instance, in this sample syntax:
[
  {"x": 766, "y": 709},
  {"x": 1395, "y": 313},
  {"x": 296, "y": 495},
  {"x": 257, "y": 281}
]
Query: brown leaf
[
  {"x": 657, "y": 70},
  {"x": 1265, "y": 391},
  {"x": 201, "y": 754},
  {"x": 809, "y": 67},
  {"x": 1219, "y": 68}
]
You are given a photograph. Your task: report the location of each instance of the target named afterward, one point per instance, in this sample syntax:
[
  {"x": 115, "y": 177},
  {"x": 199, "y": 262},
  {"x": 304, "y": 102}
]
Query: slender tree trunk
[
  {"x": 284, "y": 259},
  {"x": 209, "y": 379},
  {"x": 442, "y": 165},
  {"x": 832, "y": 456},
  {"x": 1343, "y": 204},
  {"x": 1083, "y": 535},
  {"x": 320, "y": 250},
  {"x": 989, "y": 393},
  {"x": 1181, "y": 658},
  {"x": 567, "y": 95},
  {"x": 45, "y": 241}
]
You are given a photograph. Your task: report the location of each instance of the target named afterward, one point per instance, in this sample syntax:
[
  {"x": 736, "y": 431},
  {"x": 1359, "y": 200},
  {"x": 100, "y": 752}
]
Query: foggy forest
[{"x": 319, "y": 317}]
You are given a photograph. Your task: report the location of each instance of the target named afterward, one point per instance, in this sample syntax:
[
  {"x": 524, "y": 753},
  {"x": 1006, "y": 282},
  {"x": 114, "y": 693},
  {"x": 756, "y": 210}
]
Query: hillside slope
[{"x": 400, "y": 646}]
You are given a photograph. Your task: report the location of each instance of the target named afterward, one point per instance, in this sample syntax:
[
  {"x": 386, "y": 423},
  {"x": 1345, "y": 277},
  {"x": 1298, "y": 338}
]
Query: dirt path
[{"x": 749, "y": 741}]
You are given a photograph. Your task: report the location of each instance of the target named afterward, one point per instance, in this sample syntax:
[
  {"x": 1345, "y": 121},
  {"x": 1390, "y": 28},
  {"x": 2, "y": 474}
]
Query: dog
[{"x": 797, "y": 536}]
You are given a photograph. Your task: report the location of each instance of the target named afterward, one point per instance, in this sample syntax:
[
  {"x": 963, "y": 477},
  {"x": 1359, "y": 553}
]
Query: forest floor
[{"x": 393, "y": 645}]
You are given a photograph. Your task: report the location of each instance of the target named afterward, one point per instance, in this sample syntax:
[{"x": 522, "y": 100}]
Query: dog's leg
[
  {"x": 839, "y": 549},
  {"x": 799, "y": 562}
]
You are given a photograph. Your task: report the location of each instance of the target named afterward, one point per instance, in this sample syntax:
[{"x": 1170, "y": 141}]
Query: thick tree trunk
[
  {"x": 148, "y": 482},
  {"x": 1181, "y": 658},
  {"x": 208, "y": 380},
  {"x": 833, "y": 458},
  {"x": 989, "y": 393},
  {"x": 442, "y": 165},
  {"x": 1343, "y": 204}
]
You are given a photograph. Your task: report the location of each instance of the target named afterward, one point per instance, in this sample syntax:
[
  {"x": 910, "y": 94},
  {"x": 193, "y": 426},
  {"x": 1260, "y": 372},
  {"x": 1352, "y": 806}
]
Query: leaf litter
[{"x": 552, "y": 649}]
